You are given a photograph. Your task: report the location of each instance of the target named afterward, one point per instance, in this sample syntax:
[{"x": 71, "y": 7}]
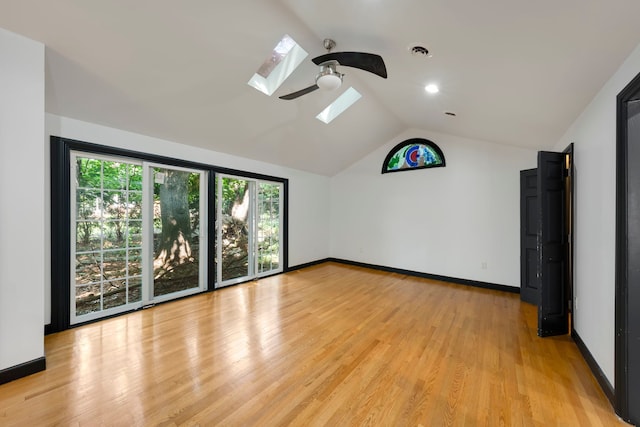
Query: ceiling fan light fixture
[
  {"x": 329, "y": 81},
  {"x": 328, "y": 78}
]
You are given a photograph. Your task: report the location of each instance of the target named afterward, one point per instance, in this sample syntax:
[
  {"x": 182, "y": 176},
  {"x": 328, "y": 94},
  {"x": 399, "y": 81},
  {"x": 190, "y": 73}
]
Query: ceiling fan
[{"x": 330, "y": 78}]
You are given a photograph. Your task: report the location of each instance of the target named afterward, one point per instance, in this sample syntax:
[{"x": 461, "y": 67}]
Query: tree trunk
[
  {"x": 240, "y": 208},
  {"x": 175, "y": 242}
]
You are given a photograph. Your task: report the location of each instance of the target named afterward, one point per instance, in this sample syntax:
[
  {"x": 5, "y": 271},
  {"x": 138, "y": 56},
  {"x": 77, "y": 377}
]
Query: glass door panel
[
  {"x": 106, "y": 194},
  {"x": 234, "y": 206},
  {"x": 177, "y": 212},
  {"x": 268, "y": 227}
]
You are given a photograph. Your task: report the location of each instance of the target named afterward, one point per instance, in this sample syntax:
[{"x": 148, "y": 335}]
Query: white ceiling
[{"x": 516, "y": 72}]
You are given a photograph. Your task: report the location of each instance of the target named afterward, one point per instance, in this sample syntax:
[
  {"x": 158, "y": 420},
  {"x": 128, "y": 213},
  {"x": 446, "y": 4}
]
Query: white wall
[
  {"x": 446, "y": 221},
  {"x": 308, "y": 193},
  {"x": 22, "y": 182},
  {"x": 594, "y": 135}
]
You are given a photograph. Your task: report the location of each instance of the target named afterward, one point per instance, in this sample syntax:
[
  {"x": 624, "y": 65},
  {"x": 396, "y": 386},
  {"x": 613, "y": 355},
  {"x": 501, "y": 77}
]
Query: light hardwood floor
[{"x": 328, "y": 345}]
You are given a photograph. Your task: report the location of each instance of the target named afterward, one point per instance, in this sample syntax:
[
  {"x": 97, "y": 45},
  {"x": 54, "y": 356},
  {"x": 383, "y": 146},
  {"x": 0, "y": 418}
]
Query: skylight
[
  {"x": 338, "y": 106},
  {"x": 284, "y": 59}
]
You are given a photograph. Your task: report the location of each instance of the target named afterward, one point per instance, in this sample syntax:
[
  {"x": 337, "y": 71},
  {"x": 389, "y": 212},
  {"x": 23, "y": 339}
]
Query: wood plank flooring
[{"x": 330, "y": 345}]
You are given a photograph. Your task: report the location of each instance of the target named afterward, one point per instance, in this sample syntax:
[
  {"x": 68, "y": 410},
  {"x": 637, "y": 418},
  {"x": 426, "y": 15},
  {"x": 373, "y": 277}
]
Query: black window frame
[
  {"x": 60, "y": 177},
  {"x": 414, "y": 141}
]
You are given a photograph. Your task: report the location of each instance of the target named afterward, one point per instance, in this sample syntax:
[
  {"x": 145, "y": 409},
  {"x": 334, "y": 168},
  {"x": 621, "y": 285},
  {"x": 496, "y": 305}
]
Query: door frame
[
  {"x": 570, "y": 231},
  {"x": 623, "y": 304}
]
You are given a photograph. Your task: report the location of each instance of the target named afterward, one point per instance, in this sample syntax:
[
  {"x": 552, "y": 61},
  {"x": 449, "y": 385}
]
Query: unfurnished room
[{"x": 320, "y": 213}]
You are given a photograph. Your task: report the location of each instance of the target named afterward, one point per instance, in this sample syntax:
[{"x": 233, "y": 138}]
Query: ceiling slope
[{"x": 515, "y": 72}]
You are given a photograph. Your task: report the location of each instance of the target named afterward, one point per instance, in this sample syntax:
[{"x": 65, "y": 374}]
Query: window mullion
[{"x": 147, "y": 233}]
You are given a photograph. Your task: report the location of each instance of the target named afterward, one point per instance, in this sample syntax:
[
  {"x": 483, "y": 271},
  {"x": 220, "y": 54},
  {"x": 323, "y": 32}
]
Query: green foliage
[
  {"x": 109, "y": 221},
  {"x": 394, "y": 162},
  {"x": 109, "y": 192},
  {"x": 232, "y": 192},
  {"x": 110, "y": 175}
]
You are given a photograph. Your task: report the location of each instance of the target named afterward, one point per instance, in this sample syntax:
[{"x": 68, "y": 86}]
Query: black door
[
  {"x": 529, "y": 288},
  {"x": 627, "y": 380},
  {"x": 553, "y": 316},
  {"x": 633, "y": 285}
]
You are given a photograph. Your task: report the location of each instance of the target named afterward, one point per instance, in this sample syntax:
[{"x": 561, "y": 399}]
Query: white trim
[
  {"x": 218, "y": 230},
  {"x": 147, "y": 233}
]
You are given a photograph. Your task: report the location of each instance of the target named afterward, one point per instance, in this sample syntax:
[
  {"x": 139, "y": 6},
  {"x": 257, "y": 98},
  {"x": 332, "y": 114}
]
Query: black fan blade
[
  {"x": 301, "y": 92},
  {"x": 365, "y": 61}
]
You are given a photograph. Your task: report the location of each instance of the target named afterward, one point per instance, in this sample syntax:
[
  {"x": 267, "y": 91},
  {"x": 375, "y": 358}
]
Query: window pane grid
[
  {"x": 109, "y": 250},
  {"x": 104, "y": 205},
  {"x": 108, "y": 281}
]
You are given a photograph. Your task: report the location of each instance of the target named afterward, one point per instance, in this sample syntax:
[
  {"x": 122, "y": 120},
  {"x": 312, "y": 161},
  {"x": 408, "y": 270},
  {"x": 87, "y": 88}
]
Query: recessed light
[
  {"x": 419, "y": 51},
  {"x": 432, "y": 88}
]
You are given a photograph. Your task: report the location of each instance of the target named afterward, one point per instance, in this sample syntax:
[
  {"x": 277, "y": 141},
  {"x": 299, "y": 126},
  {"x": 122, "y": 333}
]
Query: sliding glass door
[
  {"x": 249, "y": 228},
  {"x": 135, "y": 234},
  {"x": 129, "y": 229}
]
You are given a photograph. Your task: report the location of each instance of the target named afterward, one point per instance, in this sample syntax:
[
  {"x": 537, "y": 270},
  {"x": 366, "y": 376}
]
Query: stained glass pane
[{"x": 413, "y": 153}]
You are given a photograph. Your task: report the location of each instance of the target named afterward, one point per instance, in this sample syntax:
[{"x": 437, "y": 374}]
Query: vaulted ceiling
[{"x": 513, "y": 71}]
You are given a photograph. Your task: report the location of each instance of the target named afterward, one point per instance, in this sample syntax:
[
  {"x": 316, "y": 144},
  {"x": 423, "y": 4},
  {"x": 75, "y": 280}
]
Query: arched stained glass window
[{"x": 414, "y": 153}]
